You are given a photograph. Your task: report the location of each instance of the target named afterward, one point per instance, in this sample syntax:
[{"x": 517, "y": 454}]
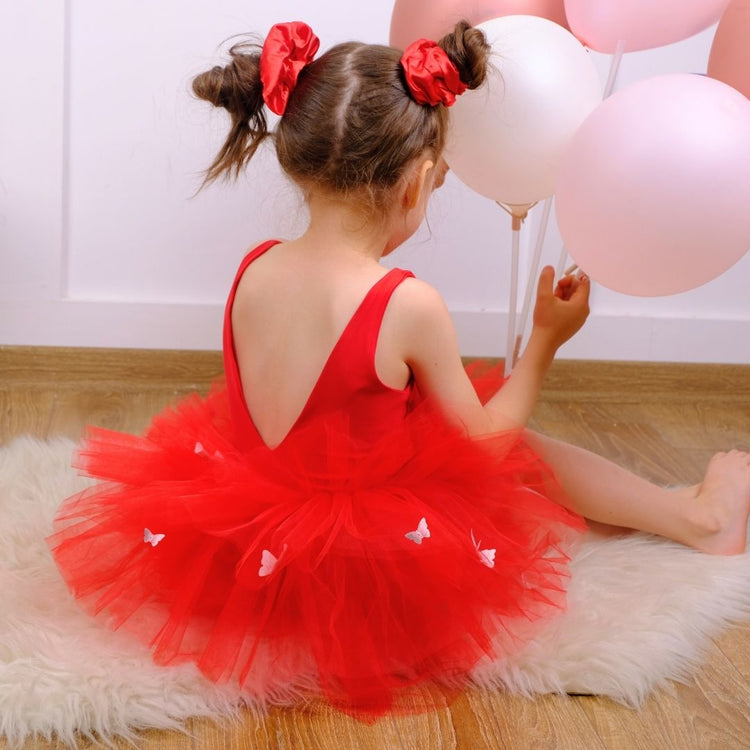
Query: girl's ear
[{"x": 417, "y": 183}]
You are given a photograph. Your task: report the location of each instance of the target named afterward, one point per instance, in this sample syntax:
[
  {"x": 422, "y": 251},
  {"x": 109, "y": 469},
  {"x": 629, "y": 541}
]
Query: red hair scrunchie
[
  {"x": 430, "y": 74},
  {"x": 286, "y": 51}
]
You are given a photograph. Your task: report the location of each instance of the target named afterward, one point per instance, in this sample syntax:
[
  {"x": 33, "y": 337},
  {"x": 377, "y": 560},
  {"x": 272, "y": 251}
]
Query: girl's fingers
[
  {"x": 568, "y": 286},
  {"x": 546, "y": 280},
  {"x": 583, "y": 284},
  {"x": 580, "y": 295}
]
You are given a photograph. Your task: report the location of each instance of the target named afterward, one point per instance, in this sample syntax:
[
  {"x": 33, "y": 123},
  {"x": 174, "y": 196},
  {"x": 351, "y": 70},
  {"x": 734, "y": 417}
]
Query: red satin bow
[
  {"x": 287, "y": 49},
  {"x": 430, "y": 74}
]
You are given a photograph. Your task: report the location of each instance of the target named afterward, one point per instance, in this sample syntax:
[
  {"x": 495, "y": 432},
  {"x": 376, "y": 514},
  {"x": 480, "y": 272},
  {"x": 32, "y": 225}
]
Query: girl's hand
[{"x": 559, "y": 313}]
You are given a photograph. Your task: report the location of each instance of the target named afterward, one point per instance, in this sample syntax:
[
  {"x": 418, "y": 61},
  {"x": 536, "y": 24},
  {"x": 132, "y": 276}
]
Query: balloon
[
  {"x": 508, "y": 136},
  {"x": 653, "y": 193},
  {"x": 640, "y": 24},
  {"x": 729, "y": 60},
  {"x": 413, "y": 19}
]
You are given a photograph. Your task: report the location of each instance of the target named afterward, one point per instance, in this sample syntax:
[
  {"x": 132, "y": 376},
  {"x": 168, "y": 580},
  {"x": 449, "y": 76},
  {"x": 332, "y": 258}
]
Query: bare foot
[{"x": 723, "y": 504}]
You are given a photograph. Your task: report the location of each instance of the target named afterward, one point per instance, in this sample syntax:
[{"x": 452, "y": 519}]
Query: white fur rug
[{"x": 641, "y": 611}]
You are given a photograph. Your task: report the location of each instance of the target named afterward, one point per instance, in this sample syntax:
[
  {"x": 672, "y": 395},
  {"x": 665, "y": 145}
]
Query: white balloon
[{"x": 507, "y": 138}]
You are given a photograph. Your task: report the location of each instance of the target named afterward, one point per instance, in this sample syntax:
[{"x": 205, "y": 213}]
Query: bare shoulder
[
  {"x": 428, "y": 344},
  {"x": 419, "y": 322},
  {"x": 418, "y": 302}
]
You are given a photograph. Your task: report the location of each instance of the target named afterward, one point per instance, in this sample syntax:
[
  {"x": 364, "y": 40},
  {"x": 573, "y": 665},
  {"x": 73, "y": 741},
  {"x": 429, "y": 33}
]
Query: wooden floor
[{"x": 663, "y": 421}]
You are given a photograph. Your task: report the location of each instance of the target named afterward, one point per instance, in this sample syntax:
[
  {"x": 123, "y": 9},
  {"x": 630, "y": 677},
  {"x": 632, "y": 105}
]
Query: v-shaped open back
[{"x": 348, "y": 382}]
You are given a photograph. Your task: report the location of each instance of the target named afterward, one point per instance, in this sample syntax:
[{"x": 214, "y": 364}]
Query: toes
[{"x": 725, "y": 460}]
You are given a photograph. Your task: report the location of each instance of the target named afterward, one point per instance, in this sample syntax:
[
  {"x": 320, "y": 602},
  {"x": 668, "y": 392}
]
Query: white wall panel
[
  {"x": 103, "y": 241},
  {"x": 32, "y": 48}
]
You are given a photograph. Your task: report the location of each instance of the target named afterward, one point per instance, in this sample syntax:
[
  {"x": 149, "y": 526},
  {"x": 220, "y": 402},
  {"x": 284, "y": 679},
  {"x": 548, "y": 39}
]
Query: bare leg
[{"x": 711, "y": 516}]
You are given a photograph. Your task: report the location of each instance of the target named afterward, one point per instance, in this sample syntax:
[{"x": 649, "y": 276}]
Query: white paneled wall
[{"x": 104, "y": 241}]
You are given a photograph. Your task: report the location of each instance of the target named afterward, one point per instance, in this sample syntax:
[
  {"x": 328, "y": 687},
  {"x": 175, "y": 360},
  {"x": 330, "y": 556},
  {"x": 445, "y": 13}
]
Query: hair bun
[
  {"x": 238, "y": 89},
  {"x": 209, "y": 86},
  {"x": 467, "y": 47}
]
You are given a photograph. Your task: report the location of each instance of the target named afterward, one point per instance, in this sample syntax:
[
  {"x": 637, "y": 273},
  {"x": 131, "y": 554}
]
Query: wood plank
[
  {"x": 683, "y": 718},
  {"x": 246, "y": 732},
  {"x": 475, "y": 718},
  {"x": 543, "y": 723},
  {"x": 74, "y": 410},
  {"x": 320, "y": 727},
  {"x": 25, "y": 412},
  {"x": 639, "y": 382},
  {"x": 40, "y": 365},
  {"x": 432, "y": 728},
  {"x": 722, "y": 714},
  {"x": 735, "y": 645}
]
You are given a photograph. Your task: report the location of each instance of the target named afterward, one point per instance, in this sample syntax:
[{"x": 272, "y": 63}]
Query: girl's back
[{"x": 291, "y": 307}]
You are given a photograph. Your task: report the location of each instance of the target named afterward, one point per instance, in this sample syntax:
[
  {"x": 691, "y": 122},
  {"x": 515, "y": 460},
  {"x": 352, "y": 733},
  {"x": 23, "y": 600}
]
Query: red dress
[{"x": 376, "y": 548}]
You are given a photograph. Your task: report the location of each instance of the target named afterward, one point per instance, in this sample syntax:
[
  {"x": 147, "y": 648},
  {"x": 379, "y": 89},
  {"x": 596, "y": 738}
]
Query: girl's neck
[{"x": 338, "y": 227}]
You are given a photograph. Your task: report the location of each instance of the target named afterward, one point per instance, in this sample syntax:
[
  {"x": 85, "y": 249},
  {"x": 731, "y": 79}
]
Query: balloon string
[
  {"x": 518, "y": 214},
  {"x": 614, "y": 68},
  {"x": 533, "y": 270},
  {"x": 505, "y": 208},
  {"x": 510, "y": 342}
]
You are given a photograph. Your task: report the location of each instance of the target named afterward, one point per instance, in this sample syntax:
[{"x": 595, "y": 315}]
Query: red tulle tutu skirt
[{"x": 321, "y": 566}]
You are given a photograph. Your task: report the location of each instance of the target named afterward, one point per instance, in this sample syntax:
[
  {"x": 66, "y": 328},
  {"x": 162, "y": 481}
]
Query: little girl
[{"x": 343, "y": 516}]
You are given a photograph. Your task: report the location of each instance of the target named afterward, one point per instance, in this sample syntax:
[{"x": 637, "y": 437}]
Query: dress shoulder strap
[
  {"x": 353, "y": 359},
  {"x": 369, "y": 317},
  {"x": 243, "y": 426}
]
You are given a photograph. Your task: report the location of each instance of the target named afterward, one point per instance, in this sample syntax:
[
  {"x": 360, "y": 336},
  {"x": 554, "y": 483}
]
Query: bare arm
[
  {"x": 430, "y": 349},
  {"x": 558, "y": 315}
]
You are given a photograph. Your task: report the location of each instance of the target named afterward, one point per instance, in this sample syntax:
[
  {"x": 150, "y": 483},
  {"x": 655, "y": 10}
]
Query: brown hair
[{"x": 350, "y": 126}]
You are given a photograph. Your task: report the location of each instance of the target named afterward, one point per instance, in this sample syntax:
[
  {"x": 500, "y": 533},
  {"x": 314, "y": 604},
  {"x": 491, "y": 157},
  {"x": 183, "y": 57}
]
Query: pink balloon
[
  {"x": 640, "y": 24},
  {"x": 413, "y": 19},
  {"x": 730, "y": 53},
  {"x": 653, "y": 193}
]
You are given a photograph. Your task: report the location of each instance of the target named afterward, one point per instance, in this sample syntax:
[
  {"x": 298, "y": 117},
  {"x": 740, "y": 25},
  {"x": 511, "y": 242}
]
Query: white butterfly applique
[
  {"x": 268, "y": 562},
  {"x": 486, "y": 556},
  {"x": 152, "y": 539},
  {"x": 201, "y": 451},
  {"x": 421, "y": 532}
]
